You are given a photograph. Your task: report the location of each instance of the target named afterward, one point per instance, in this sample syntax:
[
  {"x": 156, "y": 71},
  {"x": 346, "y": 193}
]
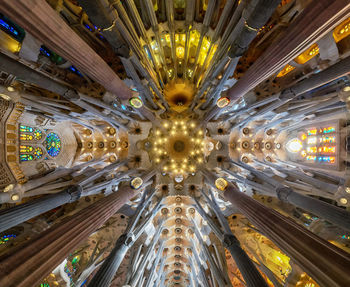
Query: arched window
[
  {"x": 28, "y": 152},
  {"x": 26, "y": 157},
  {"x": 28, "y": 133},
  {"x": 53, "y": 144}
]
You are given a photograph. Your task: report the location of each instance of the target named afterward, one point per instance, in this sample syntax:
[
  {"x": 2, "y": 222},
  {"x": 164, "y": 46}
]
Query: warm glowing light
[
  {"x": 223, "y": 102},
  {"x": 15, "y": 197},
  {"x": 311, "y": 149},
  {"x": 288, "y": 68},
  {"x": 180, "y": 52},
  {"x": 312, "y": 132},
  {"x": 343, "y": 200},
  {"x": 306, "y": 56},
  {"x": 136, "y": 102},
  {"x": 294, "y": 145},
  {"x": 312, "y": 140},
  {"x": 136, "y": 183},
  {"x": 221, "y": 183},
  {"x": 342, "y": 31},
  {"x": 5, "y": 97}
]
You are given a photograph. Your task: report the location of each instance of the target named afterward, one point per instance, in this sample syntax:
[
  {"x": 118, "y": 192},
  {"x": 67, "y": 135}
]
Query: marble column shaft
[
  {"x": 250, "y": 273},
  {"x": 36, "y": 258},
  {"x": 107, "y": 271},
  {"x": 325, "y": 263},
  {"x": 23, "y": 212},
  {"x": 317, "y": 19},
  {"x": 44, "y": 23},
  {"x": 336, "y": 215}
]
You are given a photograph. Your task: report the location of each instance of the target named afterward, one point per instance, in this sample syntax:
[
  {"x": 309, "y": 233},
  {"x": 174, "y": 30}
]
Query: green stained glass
[{"x": 26, "y": 157}]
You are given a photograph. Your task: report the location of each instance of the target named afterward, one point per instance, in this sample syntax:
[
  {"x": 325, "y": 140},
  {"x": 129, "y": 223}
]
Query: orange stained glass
[
  {"x": 307, "y": 55},
  {"x": 342, "y": 31},
  {"x": 287, "y": 69}
]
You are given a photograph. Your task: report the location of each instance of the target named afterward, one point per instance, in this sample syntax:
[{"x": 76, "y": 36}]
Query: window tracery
[
  {"x": 53, "y": 144},
  {"x": 33, "y": 148}
]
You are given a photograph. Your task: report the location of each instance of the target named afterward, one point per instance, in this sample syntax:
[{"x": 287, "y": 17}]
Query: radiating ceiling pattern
[{"x": 174, "y": 143}]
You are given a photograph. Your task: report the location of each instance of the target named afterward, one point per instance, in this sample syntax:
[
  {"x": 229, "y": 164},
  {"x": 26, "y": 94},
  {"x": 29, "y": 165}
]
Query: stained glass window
[
  {"x": 25, "y": 129},
  {"x": 4, "y": 239},
  {"x": 38, "y": 153},
  {"x": 53, "y": 144},
  {"x": 38, "y": 134},
  {"x": 26, "y": 137},
  {"x": 26, "y": 157},
  {"x": 25, "y": 149},
  {"x": 317, "y": 145},
  {"x": 28, "y": 133}
]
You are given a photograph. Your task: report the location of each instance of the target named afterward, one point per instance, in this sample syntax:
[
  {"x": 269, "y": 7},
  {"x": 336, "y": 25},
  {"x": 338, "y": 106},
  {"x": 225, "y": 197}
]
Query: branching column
[
  {"x": 29, "y": 263},
  {"x": 21, "y": 213},
  {"x": 317, "y": 19},
  {"x": 324, "y": 262},
  {"x": 107, "y": 271},
  {"x": 45, "y": 24}
]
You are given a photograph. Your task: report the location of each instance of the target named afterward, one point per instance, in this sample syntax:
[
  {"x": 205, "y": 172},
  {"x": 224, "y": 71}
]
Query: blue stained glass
[
  {"x": 89, "y": 28},
  {"x": 75, "y": 70},
  {"x": 53, "y": 144},
  {"x": 44, "y": 51},
  {"x": 11, "y": 28},
  {"x": 4, "y": 239},
  {"x": 8, "y": 27}
]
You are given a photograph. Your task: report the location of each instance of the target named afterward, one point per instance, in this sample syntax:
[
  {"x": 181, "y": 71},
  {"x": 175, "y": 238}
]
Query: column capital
[
  {"x": 283, "y": 192},
  {"x": 75, "y": 192},
  {"x": 229, "y": 240}
]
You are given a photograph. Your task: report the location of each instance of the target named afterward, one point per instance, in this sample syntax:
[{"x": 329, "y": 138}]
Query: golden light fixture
[
  {"x": 223, "y": 102},
  {"x": 287, "y": 69},
  {"x": 221, "y": 183},
  {"x": 136, "y": 183},
  {"x": 136, "y": 102},
  {"x": 178, "y": 146}
]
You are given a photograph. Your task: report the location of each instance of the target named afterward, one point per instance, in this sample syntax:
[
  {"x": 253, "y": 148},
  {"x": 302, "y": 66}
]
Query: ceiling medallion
[{"x": 178, "y": 146}]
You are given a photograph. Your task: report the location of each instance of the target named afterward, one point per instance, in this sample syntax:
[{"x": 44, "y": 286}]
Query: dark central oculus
[{"x": 179, "y": 146}]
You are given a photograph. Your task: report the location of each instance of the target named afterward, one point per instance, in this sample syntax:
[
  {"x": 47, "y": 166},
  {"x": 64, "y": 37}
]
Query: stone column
[
  {"x": 336, "y": 215},
  {"x": 106, "y": 273},
  {"x": 137, "y": 275},
  {"x": 317, "y": 19},
  {"x": 153, "y": 270},
  {"x": 250, "y": 273},
  {"x": 45, "y": 24},
  {"x": 325, "y": 263},
  {"x": 36, "y": 258},
  {"x": 23, "y": 212}
]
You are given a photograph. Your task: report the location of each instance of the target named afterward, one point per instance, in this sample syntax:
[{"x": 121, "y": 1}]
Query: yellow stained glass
[
  {"x": 288, "y": 68},
  {"x": 307, "y": 55},
  {"x": 342, "y": 31}
]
